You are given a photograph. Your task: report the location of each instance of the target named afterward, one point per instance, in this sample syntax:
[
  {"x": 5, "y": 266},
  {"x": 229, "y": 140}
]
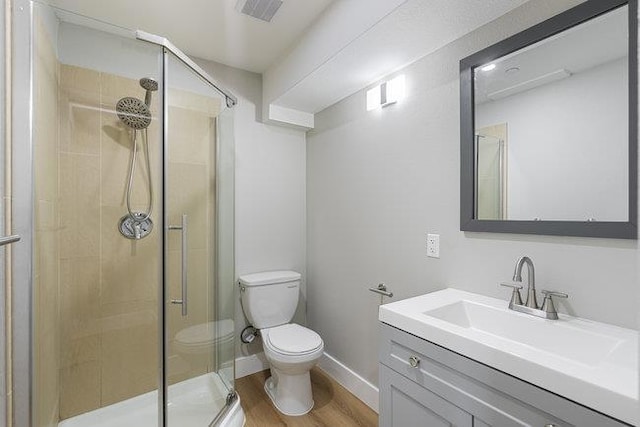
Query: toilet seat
[
  {"x": 293, "y": 340},
  {"x": 204, "y": 335}
]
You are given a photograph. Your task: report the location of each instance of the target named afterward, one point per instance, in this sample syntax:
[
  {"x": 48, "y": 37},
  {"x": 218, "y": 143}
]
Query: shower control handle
[{"x": 183, "y": 230}]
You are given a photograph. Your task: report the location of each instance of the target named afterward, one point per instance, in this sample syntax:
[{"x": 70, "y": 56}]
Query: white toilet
[{"x": 269, "y": 301}]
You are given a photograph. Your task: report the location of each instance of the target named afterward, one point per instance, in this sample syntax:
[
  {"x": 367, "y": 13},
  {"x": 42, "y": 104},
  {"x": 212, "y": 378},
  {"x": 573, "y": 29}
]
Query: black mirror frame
[{"x": 572, "y": 17}]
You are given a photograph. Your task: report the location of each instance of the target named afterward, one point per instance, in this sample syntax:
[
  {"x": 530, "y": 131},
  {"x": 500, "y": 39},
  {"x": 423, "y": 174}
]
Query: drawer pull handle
[{"x": 414, "y": 361}]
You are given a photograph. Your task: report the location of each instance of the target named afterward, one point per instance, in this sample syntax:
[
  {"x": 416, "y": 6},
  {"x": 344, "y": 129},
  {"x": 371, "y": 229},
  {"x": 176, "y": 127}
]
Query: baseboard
[
  {"x": 247, "y": 365},
  {"x": 357, "y": 385}
]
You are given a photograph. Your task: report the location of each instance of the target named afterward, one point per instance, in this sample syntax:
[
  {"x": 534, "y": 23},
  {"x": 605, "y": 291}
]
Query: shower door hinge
[
  {"x": 231, "y": 397},
  {"x": 222, "y": 415}
]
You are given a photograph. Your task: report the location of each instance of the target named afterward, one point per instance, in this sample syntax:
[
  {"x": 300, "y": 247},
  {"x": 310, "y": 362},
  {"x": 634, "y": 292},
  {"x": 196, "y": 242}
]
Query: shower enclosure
[{"x": 122, "y": 173}]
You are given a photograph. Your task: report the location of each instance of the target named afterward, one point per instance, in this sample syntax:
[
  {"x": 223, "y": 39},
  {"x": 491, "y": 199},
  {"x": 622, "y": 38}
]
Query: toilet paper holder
[
  {"x": 249, "y": 334},
  {"x": 382, "y": 290}
]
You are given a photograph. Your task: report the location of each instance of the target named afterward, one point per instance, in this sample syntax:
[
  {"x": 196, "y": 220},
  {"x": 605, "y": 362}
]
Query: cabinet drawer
[
  {"x": 405, "y": 403},
  {"x": 493, "y": 397}
]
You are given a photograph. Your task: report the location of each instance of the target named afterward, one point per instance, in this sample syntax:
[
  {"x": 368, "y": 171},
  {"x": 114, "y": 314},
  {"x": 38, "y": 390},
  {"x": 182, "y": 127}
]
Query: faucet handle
[
  {"x": 516, "y": 299},
  {"x": 549, "y": 294},
  {"x": 547, "y": 304},
  {"x": 511, "y": 285}
]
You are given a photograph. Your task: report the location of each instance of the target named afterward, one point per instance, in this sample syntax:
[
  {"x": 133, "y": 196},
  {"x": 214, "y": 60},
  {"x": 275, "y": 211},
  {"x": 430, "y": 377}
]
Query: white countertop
[{"x": 592, "y": 363}]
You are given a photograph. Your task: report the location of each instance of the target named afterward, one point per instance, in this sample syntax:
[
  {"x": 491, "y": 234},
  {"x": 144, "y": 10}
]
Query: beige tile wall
[
  {"x": 108, "y": 284},
  {"x": 46, "y": 302}
]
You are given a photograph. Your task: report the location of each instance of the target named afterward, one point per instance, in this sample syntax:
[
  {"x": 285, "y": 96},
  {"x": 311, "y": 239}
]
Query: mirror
[{"x": 548, "y": 146}]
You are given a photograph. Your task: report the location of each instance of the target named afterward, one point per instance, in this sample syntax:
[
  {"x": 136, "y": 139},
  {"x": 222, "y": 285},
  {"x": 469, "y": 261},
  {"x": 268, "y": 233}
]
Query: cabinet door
[{"x": 404, "y": 403}]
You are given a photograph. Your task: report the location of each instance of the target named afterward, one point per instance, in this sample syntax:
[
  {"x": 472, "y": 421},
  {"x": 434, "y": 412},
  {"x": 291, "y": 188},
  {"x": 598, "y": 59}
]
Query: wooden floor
[{"x": 334, "y": 405}]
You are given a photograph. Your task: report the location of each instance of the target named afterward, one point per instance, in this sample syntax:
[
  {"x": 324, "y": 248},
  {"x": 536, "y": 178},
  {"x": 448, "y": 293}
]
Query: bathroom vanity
[{"x": 457, "y": 358}]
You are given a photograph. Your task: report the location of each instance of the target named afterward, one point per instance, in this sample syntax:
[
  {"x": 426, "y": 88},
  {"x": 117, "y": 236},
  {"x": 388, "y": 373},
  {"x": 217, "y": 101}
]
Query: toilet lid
[
  {"x": 206, "y": 332},
  {"x": 294, "y": 339}
]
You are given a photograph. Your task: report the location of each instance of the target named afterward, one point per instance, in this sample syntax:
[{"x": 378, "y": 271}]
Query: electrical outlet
[{"x": 433, "y": 245}]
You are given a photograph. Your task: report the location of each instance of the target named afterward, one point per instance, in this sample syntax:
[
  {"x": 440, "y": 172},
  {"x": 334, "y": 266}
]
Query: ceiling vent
[{"x": 261, "y": 9}]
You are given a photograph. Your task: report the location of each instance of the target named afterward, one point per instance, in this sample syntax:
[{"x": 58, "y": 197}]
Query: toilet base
[{"x": 291, "y": 394}]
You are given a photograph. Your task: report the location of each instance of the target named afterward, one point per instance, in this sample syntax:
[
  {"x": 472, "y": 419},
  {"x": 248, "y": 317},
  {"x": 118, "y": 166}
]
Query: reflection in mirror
[
  {"x": 551, "y": 127},
  {"x": 490, "y": 147}
]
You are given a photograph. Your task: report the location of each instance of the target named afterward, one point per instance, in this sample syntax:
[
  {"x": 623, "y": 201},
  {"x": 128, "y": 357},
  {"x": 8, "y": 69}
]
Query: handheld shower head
[
  {"x": 150, "y": 85},
  {"x": 133, "y": 113},
  {"x": 137, "y": 115}
]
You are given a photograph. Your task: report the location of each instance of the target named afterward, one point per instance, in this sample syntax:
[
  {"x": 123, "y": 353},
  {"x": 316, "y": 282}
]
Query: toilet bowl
[
  {"x": 292, "y": 350},
  {"x": 269, "y": 301}
]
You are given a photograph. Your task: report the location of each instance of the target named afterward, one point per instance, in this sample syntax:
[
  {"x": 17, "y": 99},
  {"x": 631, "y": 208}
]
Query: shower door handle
[
  {"x": 183, "y": 229},
  {"x": 9, "y": 239}
]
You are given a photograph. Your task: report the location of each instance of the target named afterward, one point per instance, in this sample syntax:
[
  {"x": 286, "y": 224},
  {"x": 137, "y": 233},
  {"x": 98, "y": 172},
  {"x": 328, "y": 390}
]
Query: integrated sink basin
[
  {"x": 561, "y": 339},
  {"x": 591, "y": 363}
]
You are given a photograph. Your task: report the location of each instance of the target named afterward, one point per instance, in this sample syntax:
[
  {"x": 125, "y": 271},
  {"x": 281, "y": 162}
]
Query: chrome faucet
[
  {"x": 548, "y": 309},
  {"x": 531, "y": 300}
]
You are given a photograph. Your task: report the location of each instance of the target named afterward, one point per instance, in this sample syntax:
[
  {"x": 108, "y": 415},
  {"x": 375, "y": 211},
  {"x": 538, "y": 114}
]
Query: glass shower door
[{"x": 199, "y": 323}]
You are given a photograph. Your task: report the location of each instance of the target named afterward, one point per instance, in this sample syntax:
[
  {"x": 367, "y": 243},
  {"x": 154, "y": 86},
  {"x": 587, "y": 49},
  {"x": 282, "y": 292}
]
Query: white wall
[
  {"x": 111, "y": 50},
  {"x": 86, "y": 47},
  {"x": 580, "y": 121},
  {"x": 270, "y": 189},
  {"x": 378, "y": 181},
  {"x": 337, "y": 27}
]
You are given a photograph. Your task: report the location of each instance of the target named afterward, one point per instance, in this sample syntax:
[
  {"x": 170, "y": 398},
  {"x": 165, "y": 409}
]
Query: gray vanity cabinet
[
  {"x": 406, "y": 403},
  {"x": 423, "y": 384}
]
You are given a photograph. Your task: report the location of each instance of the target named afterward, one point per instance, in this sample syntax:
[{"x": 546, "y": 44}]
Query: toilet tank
[{"x": 270, "y": 298}]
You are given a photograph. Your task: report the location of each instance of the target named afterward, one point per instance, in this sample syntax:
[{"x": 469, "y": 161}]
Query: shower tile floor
[{"x": 194, "y": 402}]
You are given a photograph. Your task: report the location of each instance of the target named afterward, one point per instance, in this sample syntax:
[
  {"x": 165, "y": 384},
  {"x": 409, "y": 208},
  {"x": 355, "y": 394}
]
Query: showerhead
[
  {"x": 133, "y": 113},
  {"x": 150, "y": 85}
]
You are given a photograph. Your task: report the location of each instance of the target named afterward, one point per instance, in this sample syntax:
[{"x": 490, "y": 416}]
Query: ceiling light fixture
[{"x": 488, "y": 67}]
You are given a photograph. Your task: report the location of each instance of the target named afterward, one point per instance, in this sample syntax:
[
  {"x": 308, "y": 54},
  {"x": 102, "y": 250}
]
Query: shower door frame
[
  {"x": 21, "y": 272},
  {"x": 19, "y": 278},
  {"x": 169, "y": 49}
]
